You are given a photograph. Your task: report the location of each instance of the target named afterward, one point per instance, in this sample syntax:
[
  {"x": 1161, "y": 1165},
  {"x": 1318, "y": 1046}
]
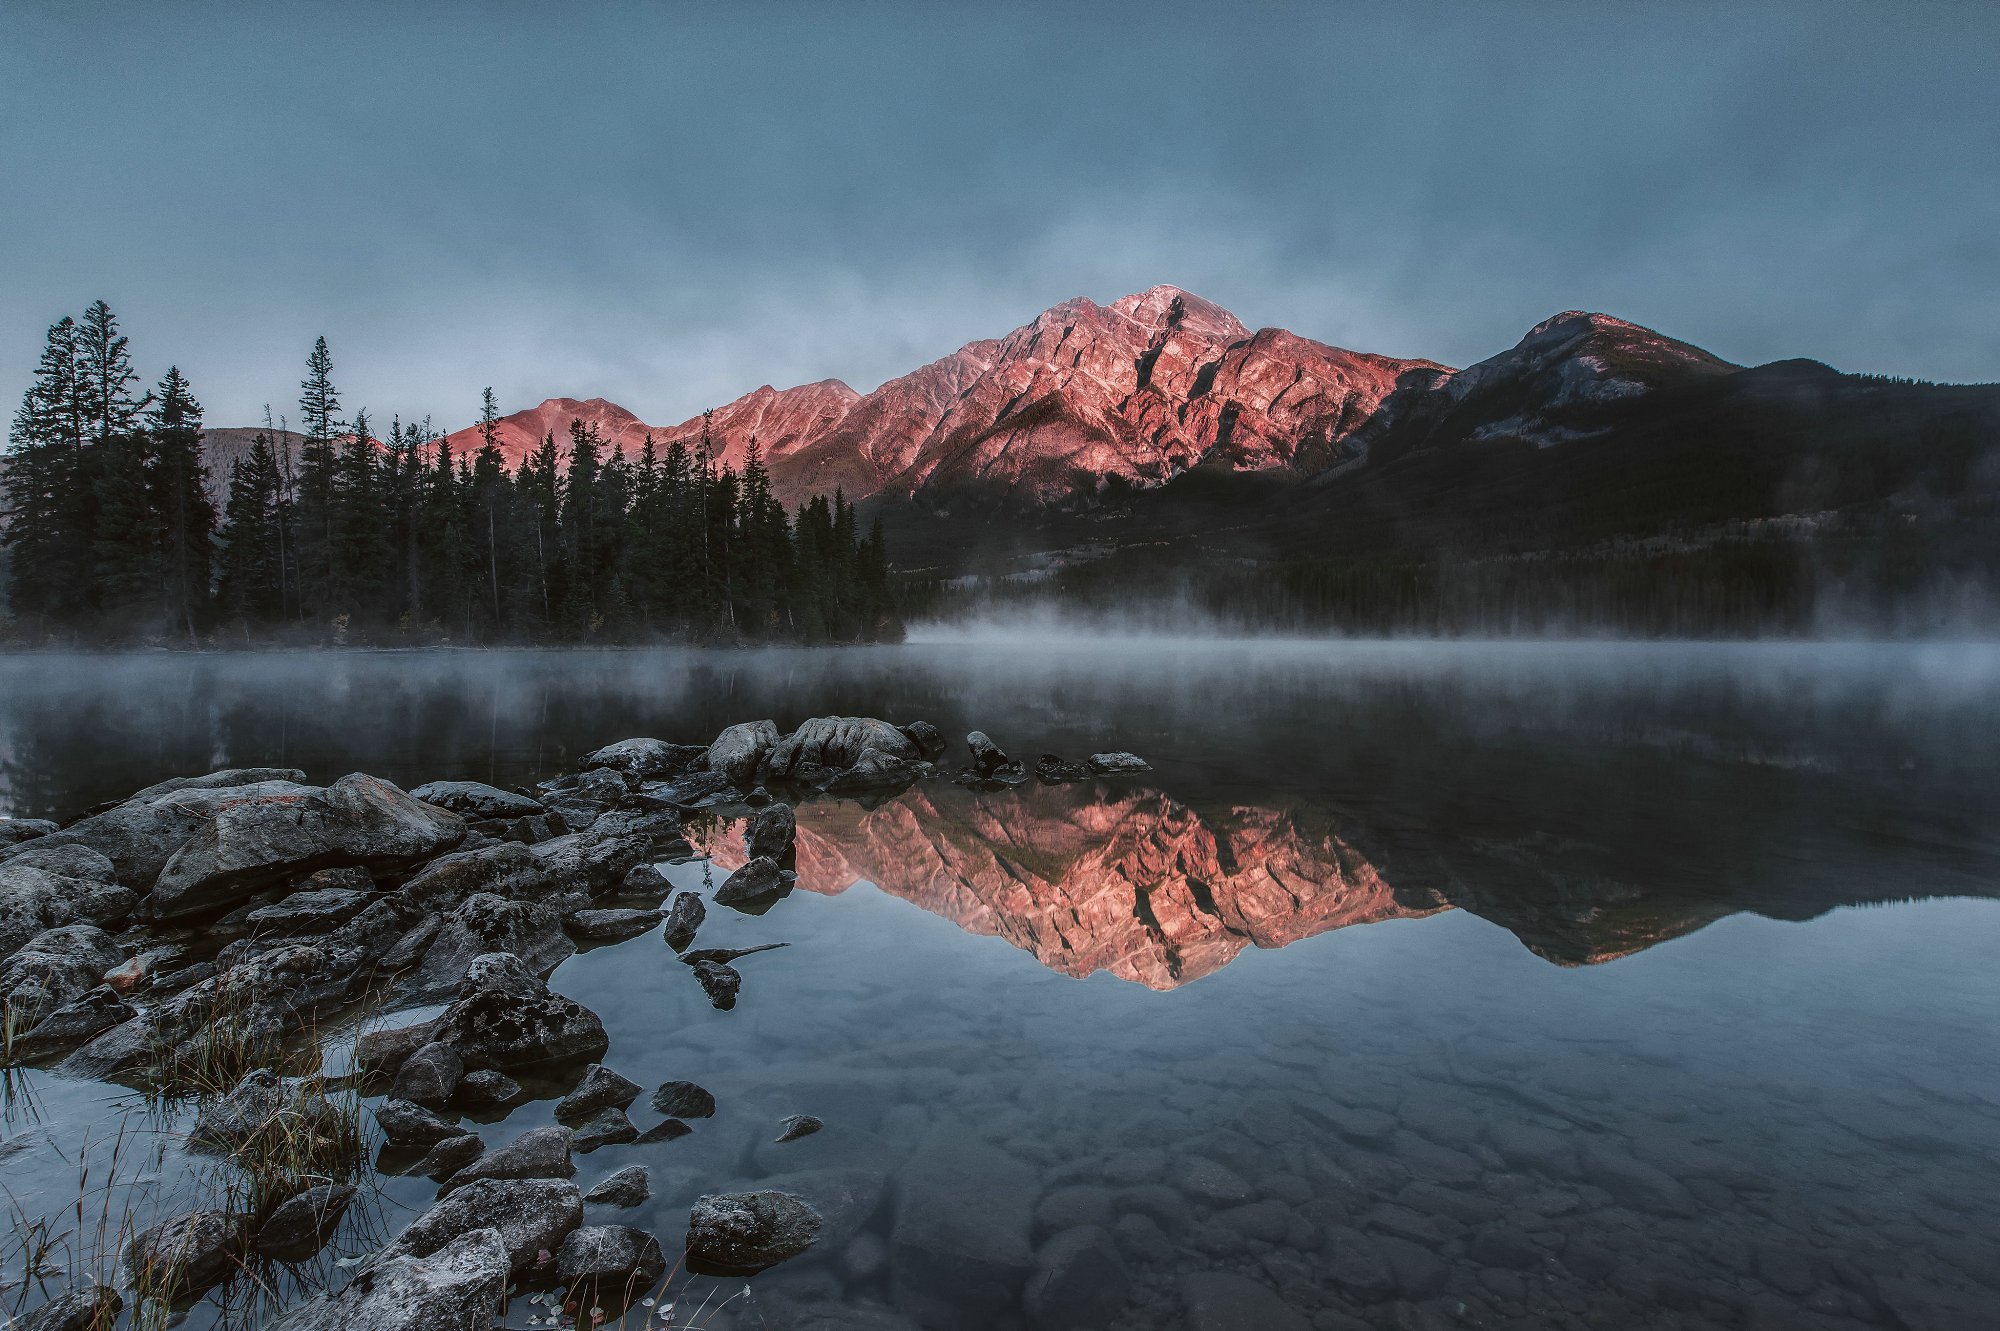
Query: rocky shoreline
[{"x": 199, "y": 936}]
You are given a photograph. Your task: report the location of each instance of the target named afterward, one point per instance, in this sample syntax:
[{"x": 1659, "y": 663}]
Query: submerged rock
[
  {"x": 533, "y": 1215},
  {"x": 506, "y": 1018},
  {"x": 629, "y": 1187},
  {"x": 740, "y": 750},
  {"x": 1079, "y": 1282},
  {"x": 458, "y": 1286},
  {"x": 304, "y": 1222},
  {"x": 616, "y": 1259},
  {"x": 683, "y": 918},
  {"x": 797, "y": 1126},
  {"x": 955, "y": 1264},
  {"x": 742, "y": 1233},
  {"x": 474, "y": 799},
  {"x": 683, "y": 1099},
  {"x": 92, "y": 1308},
  {"x": 770, "y": 832}
]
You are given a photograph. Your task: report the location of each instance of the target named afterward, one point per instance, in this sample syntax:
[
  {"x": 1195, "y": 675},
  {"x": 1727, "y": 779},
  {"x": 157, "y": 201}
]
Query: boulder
[
  {"x": 629, "y": 1187},
  {"x": 380, "y": 1052},
  {"x": 683, "y": 1099},
  {"x": 742, "y": 1233},
  {"x": 206, "y": 800},
  {"x": 835, "y": 741},
  {"x": 533, "y": 1215},
  {"x": 609, "y": 926},
  {"x": 1052, "y": 770},
  {"x": 449, "y": 1156},
  {"x": 459, "y": 1286},
  {"x": 508, "y": 870},
  {"x": 1105, "y": 764},
  {"x": 537, "y": 1153},
  {"x": 1226, "y": 1301},
  {"x": 72, "y": 1024},
  {"x": 598, "y": 1088},
  {"x": 594, "y": 794},
  {"x": 13, "y": 831},
  {"x": 483, "y": 924},
  {"x": 875, "y": 771},
  {"x": 304, "y": 1222},
  {"x": 64, "y": 860},
  {"x": 309, "y": 912},
  {"x": 259, "y": 839},
  {"x": 644, "y": 758},
  {"x": 683, "y": 918},
  {"x": 739, "y": 751},
  {"x": 92, "y": 1308},
  {"x": 951, "y": 1264},
  {"x": 52, "y": 969},
  {"x": 770, "y": 831},
  {"x": 696, "y": 790},
  {"x": 475, "y": 799},
  {"x": 590, "y": 862},
  {"x": 1079, "y": 1281},
  {"x": 229, "y": 778},
  {"x": 721, "y": 983},
  {"x": 429, "y": 1075},
  {"x": 617, "y": 1261},
  {"x": 987, "y": 757},
  {"x": 408, "y": 1124},
  {"x": 34, "y": 900},
  {"x": 137, "y": 840},
  {"x": 759, "y": 880},
  {"x": 535, "y": 829},
  {"x": 262, "y": 1109},
  {"x": 506, "y": 1018},
  {"x": 930, "y": 741},
  {"x": 180, "y": 1259}
]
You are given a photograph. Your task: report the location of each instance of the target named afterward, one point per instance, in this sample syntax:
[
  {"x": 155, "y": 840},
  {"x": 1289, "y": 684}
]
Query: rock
[
  {"x": 954, "y": 1265},
  {"x": 449, "y": 1156},
  {"x": 696, "y": 790},
  {"x": 683, "y": 918},
  {"x": 304, "y": 1222},
  {"x": 614, "y": 1258},
  {"x": 429, "y": 1075},
  {"x": 137, "y": 840},
  {"x": 381, "y": 1052},
  {"x": 532, "y": 831},
  {"x": 230, "y": 778},
  {"x": 537, "y": 1153},
  {"x": 1633, "y": 1182},
  {"x": 458, "y": 1286},
  {"x": 180, "y": 1259},
  {"x": 1105, "y": 764},
  {"x": 93, "y": 1308},
  {"x": 1209, "y": 1182},
  {"x": 1051, "y": 770},
  {"x": 533, "y": 1215},
  {"x": 54, "y": 968},
  {"x": 598, "y": 1088},
  {"x": 591, "y": 862},
  {"x": 610, "y": 926},
  {"x": 483, "y": 924},
  {"x": 34, "y": 900},
  {"x": 1079, "y": 1282},
  {"x": 13, "y": 831},
  {"x": 740, "y": 750},
  {"x": 721, "y": 983},
  {"x": 770, "y": 832},
  {"x": 607, "y": 1127},
  {"x": 253, "y": 840},
  {"x": 797, "y": 1126},
  {"x": 487, "y": 1087},
  {"x": 312, "y": 912},
  {"x": 629, "y": 1187},
  {"x": 473, "y": 799},
  {"x": 262, "y": 1109},
  {"x": 64, "y": 860},
  {"x": 71, "y": 1025},
  {"x": 875, "y": 771},
  {"x": 645, "y": 758},
  {"x": 742, "y": 1233},
  {"x": 723, "y": 956},
  {"x": 930, "y": 741},
  {"x": 508, "y": 870},
  {"x": 759, "y": 880},
  {"x": 594, "y": 794},
  {"x": 683, "y": 1099},
  {"x": 645, "y": 880},
  {"x": 666, "y": 1130},
  {"x": 1225, "y": 1301},
  {"x": 407, "y": 1124},
  {"x": 835, "y": 741},
  {"x": 506, "y": 1018},
  {"x": 987, "y": 757}
]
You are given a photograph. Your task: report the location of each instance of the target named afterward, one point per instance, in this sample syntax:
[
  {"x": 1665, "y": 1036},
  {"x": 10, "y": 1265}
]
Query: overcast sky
[{"x": 669, "y": 204}]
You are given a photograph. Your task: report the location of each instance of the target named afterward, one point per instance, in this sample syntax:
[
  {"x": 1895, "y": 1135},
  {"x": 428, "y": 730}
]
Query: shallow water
[{"x": 1565, "y": 985}]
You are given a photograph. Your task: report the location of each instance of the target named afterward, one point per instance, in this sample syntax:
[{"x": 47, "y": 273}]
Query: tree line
[{"x": 331, "y": 533}]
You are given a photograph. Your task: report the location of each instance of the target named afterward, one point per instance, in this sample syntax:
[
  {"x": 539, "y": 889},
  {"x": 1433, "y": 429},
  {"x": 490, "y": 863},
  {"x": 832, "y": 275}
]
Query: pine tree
[
  {"x": 489, "y": 488},
  {"x": 184, "y": 515},
  {"x": 253, "y": 572},
  {"x": 46, "y": 535},
  {"x": 319, "y": 416},
  {"x": 105, "y": 377}
]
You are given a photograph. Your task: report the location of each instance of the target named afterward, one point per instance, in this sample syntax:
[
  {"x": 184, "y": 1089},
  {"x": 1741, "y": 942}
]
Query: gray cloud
[{"x": 668, "y": 205}]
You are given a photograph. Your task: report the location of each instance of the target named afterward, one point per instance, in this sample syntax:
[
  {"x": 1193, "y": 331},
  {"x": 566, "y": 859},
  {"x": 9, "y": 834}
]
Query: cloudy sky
[{"x": 669, "y": 204}]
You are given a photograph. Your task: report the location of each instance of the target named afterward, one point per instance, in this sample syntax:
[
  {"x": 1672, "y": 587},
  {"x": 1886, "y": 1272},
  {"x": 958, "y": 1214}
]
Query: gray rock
[
  {"x": 406, "y": 1124},
  {"x": 458, "y": 1286},
  {"x": 598, "y": 1088},
  {"x": 666, "y": 1130},
  {"x": 629, "y": 1187},
  {"x": 34, "y": 900},
  {"x": 54, "y": 968},
  {"x": 484, "y": 923},
  {"x": 930, "y": 741},
  {"x": 720, "y": 982},
  {"x": 137, "y": 840},
  {"x": 534, "y": 830},
  {"x": 696, "y": 790},
  {"x": 740, "y": 750},
  {"x": 263, "y": 1106},
  {"x": 1053, "y": 769},
  {"x": 63, "y": 859},
  {"x": 180, "y": 1259},
  {"x": 429, "y": 1076},
  {"x": 835, "y": 741},
  {"x": 742, "y": 1233},
  {"x": 304, "y": 1222},
  {"x": 1207, "y": 1181},
  {"x": 508, "y": 870},
  {"x": 1633, "y": 1182},
  {"x": 537, "y": 1153},
  {"x": 616, "y": 1260},
  {"x": 759, "y": 880},
  {"x": 92, "y": 1308},
  {"x": 474, "y": 799},
  {"x": 770, "y": 831},
  {"x": 987, "y": 757},
  {"x": 797, "y": 1126},
  {"x": 381, "y": 1052},
  {"x": 311, "y": 912},
  {"x": 229, "y": 778},
  {"x": 952, "y": 1264},
  {"x": 645, "y": 758},
  {"x": 450, "y": 1155},
  {"x": 1079, "y": 1282},
  {"x": 1104, "y": 764},
  {"x": 13, "y": 831},
  {"x": 683, "y": 918},
  {"x": 506, "y": 1018},
  {"x": 73, "y": 1024},
  {"x": 610, "y": 926},
  {"x": 607, "y": 1127},
  {"x": 487, "y": 1087},
  {"x": 254, "y": 840},
  {"x": 683, "y": 1099},
  {"x": 532, "y": 1215},
  {"x": 1225, "y": 1301},
  {"x": 875, "y": 771},
  {"x": 591, "y": 862}
]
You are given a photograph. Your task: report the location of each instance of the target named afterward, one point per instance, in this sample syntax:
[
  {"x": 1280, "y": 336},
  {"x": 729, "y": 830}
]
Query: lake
[{"x": 1417, "y": 985}]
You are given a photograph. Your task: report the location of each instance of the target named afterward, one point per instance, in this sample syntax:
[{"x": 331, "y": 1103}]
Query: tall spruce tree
[
  {"x": 319, "y": 418},
  {"x": 183, "y": 514},
  {"x": 48, "y": 543},
  {"x": 252, "y": 584}
]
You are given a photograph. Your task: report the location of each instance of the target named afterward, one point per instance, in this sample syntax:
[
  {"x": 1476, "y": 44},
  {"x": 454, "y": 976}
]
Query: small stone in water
[{"x": 797, "y": 1126}]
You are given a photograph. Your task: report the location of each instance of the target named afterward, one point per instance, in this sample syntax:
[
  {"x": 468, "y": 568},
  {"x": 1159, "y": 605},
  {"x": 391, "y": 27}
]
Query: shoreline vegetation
[{"x": 333, "y": 536}]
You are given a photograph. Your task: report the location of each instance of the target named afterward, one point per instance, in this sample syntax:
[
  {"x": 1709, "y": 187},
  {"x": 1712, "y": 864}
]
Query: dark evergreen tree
[
  {"x": 253, "y": 573},
  {"x": 45, "y": 533},
  {"x": 318, "y": 484},
  {"x": 183, "y": 514}
]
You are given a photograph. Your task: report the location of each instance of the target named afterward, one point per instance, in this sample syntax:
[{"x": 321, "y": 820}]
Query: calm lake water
[{"x": 1569, "y": 985}]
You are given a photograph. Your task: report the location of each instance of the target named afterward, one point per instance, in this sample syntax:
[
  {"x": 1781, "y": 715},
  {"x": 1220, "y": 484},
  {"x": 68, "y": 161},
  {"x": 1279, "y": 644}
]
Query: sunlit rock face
[{"x": 1132, "y": 883}]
